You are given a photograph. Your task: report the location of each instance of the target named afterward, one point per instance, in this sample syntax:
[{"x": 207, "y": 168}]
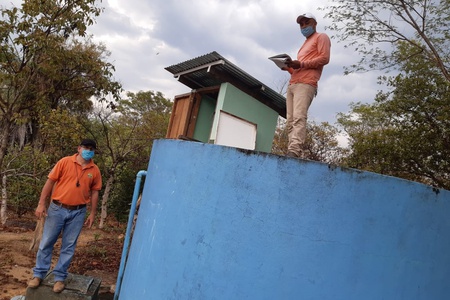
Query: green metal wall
[
  {"x": 234, "y": 101},
  {"x": 205, "y": 119}
]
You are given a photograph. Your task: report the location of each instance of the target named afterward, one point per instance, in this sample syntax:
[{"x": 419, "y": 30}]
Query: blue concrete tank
[{"x": 222, "y": 223}]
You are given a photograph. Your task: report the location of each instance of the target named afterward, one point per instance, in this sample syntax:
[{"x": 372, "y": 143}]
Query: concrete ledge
[{"x": 78, "y": 287}]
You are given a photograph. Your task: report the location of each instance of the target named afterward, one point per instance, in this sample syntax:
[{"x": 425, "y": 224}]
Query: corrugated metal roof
[{"x": 213, "y": 69}]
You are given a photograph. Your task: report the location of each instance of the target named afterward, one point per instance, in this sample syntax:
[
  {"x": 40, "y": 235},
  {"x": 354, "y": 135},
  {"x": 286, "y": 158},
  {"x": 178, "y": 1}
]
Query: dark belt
[{"x": 69, "y": 207}]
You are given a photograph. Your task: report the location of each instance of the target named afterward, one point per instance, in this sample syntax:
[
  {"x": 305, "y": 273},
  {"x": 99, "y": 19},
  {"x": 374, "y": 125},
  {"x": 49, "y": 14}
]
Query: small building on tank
[{"x": 226, "y": 106}]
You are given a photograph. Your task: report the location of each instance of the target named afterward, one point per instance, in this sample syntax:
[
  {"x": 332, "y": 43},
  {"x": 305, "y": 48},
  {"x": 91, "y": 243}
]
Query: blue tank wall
[{"x": 222, "y": 223}]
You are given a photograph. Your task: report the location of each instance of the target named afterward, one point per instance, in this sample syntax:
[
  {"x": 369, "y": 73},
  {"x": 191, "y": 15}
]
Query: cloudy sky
[{"x": 145, "y": 36}]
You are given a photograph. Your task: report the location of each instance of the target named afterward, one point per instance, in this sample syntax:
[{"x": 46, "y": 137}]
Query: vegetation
[
  {"x": 127, "y": 136},
  {"x": 321, "y": 144},
  {"x": 405, "y": 132},
  {"x": 54, "y": 82},
  {"x": 57, "y": 87},
  {"x": 375, "y": 29}
]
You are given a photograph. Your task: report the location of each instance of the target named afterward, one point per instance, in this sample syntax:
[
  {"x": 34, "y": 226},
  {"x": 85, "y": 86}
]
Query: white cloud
[{"x": 144, "y": 37}]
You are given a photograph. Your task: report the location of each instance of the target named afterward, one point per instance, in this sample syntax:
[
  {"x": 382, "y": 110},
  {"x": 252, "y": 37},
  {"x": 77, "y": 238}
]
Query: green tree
[
  {"x": 48, "y": 62},
  {"x": 23, "y": 179},
  {"x": 371, "y": 26},
  {"x": 406, "y": 132},
  {"x": 370, "y": 136},
  {"x": 60, "y": 133},
  {"x": 321, "y": 143},
  {"x": 280, "y": 140},
  {"x": 26, "y": 167},
  {"x": 126, "y": 136},
  {"x": 45, "y": 66}
]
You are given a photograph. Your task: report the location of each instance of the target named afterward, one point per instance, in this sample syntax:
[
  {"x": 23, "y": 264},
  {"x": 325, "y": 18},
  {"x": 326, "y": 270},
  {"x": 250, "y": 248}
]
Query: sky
[{"x": 146, "y": 36}]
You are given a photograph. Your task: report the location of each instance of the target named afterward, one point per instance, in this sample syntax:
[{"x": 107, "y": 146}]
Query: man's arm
[
  {"x": 94, "y": 202},
  {"x": 46, "y": 192},
  {"x": 323, "y": 53}
]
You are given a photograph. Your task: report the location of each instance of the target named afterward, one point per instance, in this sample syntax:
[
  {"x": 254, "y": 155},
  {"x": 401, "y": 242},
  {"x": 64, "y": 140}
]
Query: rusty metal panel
[{"x": 179, "y": 118}]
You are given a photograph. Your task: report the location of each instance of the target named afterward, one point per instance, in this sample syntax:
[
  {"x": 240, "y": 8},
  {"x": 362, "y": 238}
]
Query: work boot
[
  {"x": 292, "y": 154},
  {"x": 34, "y": 283},
  {"x": 58, "y": 287}
]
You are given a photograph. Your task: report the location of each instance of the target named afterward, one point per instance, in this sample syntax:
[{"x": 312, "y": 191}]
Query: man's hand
[
  {"x": 90, "y": 220},
  {"x": 294, "y": 64},
  {"x": 40, "y": 211}
]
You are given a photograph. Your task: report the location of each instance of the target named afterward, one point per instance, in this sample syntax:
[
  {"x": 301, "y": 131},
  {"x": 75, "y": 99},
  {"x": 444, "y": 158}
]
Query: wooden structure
[{"x": 185, "y": 112}]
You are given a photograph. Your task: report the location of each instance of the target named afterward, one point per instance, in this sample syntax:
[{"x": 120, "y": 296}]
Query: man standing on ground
[
  {"x": 305, "y": 73},
  {"x": 73, "y": 182}
]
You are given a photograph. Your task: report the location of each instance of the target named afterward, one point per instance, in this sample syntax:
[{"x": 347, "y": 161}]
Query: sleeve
[
  {"x": 323, "y": 53},
  {"x": 97, "y": 182},
  {"x": 55, "y": 173}
]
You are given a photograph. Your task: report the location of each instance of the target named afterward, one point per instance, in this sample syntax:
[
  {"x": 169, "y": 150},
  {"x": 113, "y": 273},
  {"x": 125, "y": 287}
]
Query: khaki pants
[{"x": 298, "y": 99}]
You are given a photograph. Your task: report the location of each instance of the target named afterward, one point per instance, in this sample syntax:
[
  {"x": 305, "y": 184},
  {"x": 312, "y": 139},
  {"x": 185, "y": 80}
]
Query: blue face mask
[
  {"x": 87, "y": 154},
  {"x": 307, "y": 31}
]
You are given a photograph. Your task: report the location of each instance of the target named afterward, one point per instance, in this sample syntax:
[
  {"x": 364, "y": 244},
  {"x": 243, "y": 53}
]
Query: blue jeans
[{"x": 71, "y": 223}]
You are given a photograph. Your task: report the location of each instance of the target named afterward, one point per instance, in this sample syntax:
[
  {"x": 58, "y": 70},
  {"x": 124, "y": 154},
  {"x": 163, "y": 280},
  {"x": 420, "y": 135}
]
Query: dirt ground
[{"x": 97, "y": 254}]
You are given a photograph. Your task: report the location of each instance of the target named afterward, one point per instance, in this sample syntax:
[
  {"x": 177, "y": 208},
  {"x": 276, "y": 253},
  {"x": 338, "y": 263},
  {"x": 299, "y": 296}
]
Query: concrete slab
[{"x": 78, "y": 287}]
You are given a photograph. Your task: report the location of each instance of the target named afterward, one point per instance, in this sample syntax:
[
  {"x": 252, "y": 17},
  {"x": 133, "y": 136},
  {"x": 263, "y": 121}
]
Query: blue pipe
[{"x": 128, "y": 233}]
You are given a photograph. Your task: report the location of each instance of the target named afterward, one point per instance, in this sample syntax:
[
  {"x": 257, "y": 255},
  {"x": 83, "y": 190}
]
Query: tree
[
  {"x": 280, "y": 140},
  {"x": 45, "y": 66},
  {"x": 369, "y": 25},
  {"x": 321, "y": 142},
  {"x": 26, "y": 168},
  {"x": 48, "y": 62},
  {"x": 22, "y": 180},
  {"x": 370, "y": 137},
  {"x": 126, "y": 135},
  {"x": 406, "y": 132}
]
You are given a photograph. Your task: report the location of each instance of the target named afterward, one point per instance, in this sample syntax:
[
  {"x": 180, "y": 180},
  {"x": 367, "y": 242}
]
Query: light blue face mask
[
  {"x": 307, "y": 31},
  {"x": 87, "y": 154}
]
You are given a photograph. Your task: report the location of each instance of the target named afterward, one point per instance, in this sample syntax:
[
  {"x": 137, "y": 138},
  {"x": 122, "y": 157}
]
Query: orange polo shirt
[
  {"x": 67, "y": 172},
  {"x": 314, "y": 54}
]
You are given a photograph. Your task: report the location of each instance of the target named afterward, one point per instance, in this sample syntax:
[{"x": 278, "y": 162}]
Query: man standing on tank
[{"x": 305, "y": 72}]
